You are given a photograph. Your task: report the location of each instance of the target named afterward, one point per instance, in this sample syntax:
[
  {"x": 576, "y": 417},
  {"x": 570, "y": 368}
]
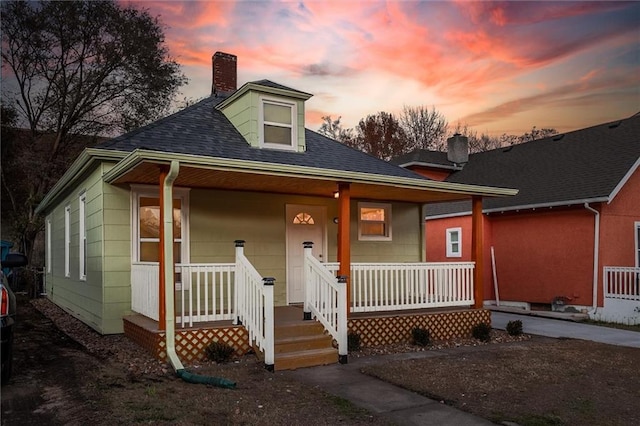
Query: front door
[{"x": 304, "y": 223}]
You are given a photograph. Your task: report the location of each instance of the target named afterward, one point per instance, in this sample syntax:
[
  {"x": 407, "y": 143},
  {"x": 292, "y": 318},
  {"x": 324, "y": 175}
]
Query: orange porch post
[
  {"x": 344, "y": 237},
  {"x": 476, "y": 251}
]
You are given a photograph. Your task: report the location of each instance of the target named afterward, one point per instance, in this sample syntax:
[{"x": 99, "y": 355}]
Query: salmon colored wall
[
  {"x": 617, "y": 247},
  {"x": 541, "y": 255},
  {"x": 436, "y": 247}
]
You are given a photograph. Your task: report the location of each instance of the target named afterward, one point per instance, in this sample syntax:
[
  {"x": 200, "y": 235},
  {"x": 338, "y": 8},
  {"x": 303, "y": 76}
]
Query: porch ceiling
[{"x": 238, "y": 180}]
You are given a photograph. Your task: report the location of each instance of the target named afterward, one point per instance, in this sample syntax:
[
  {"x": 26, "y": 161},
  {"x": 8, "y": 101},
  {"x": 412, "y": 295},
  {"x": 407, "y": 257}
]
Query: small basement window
[
  {"x": 454, "y": 242},
  {"x": 374, "y": 222}
]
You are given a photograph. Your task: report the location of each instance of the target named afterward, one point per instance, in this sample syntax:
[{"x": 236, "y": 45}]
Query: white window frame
[
  {"x": 82, "y": 237},
  {"x": 387, "y": 222},
  {"x": 67, "y": 241},
  {"x": 48, "y": 245},
  {"x": 293, "y": 126},
  {"x": 450, "y": 251},
  {"x": 637, "y": 238},
  {"x": 138, "y": 191}
]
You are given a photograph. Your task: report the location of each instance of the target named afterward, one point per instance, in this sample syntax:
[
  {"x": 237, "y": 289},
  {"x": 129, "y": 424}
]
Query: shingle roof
[
  {"x": 586, "y": 164},
  {"x": 203, "y": 130},
  {"x": 423, "y": 156}
]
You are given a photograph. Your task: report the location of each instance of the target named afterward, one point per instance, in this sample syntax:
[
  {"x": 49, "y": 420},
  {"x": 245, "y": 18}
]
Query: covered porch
[{"x": 181, "y": 296}]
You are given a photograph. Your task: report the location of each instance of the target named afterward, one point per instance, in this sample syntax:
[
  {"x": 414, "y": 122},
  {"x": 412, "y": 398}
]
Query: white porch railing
[
  {"x": 254, "y": 305},
  {"x": 401, "y": 286},
  {"x": 621, "y": 282},
  {"x": 326, "y": 299},
  {"x": 205, "y": 292}
]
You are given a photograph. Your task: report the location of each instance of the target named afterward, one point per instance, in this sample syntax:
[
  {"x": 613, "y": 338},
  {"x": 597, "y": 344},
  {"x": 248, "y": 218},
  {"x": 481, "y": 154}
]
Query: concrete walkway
[
  {"x": 399, "y": 405},
  {"x": 558, "y": 328}
]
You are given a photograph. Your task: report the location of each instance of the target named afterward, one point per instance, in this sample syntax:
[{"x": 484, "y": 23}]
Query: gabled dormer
[{"x": 267, "y": 114}]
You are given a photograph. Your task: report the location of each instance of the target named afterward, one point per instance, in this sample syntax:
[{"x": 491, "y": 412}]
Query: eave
[
  {"x": 85, "y": 161},
  {"x": 143, "y": 167}
]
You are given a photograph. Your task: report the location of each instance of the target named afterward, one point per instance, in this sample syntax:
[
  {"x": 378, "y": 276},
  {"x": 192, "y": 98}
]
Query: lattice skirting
[
  {"x": 397, "y": 329},
  {"x": 190, "y": 344}
]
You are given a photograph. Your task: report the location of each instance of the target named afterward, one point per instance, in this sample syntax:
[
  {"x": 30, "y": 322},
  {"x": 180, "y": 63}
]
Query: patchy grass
[
  {"x": 540, "y": 382},
  {"x": 613, "y": 325}
]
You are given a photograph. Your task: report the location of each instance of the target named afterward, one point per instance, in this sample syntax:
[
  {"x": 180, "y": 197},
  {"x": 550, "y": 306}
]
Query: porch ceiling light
[{"x": 336, "y": 194}]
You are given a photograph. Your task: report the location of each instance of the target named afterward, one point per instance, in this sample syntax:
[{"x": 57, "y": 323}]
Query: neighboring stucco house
[
  {"x": 238, "y": 165},
  {"x": 574, "y": 224}
]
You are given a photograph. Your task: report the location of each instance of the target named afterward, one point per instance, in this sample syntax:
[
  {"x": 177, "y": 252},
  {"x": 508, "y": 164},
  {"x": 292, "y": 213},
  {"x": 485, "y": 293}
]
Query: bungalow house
[
  {"x": 229, "y": 221},
  {"x": 569, "y": 240}
]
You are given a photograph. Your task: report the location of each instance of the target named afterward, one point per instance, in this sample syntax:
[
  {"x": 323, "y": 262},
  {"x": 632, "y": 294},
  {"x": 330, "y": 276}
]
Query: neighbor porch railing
[
  {"x": 254, "y": 305},
  {"x": 401, "y": 286},
  {"x": 621, "y": 282},
  {"x": 325, "y": 299}
]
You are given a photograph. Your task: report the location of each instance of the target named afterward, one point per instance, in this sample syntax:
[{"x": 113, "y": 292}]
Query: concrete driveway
[{"x": 561, "y": 328}]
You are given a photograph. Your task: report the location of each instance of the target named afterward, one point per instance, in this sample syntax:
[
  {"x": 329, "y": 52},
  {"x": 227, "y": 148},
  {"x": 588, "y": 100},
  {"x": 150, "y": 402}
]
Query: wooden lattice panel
[
  {"x": 190, "y": 344},
  {"x": 397, "y": 329}
]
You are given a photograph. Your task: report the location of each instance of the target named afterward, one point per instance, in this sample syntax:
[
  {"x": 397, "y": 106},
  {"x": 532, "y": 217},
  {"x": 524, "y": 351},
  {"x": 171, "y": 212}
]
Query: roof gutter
[{"x": 215, "y": 163}]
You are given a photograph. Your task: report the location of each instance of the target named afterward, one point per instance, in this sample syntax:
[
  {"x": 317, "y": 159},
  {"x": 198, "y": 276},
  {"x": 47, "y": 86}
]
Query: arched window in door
[{"x": 303, "y": 218}]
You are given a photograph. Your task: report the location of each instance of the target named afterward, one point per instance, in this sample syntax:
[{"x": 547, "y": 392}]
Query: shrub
[
  {"x": 219, "y": 352},
  {"x": 421, "y": 336},
  {"x": 353, "y": 342},
  {"x": 514, "y": 328},
  {"x": 481, "y": 332}
]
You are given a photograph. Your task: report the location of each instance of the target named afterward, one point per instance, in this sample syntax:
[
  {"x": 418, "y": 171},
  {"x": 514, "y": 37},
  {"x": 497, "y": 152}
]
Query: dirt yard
[
  {"x": 539, "y": 382},
  {"x": 106, "y": 380}
]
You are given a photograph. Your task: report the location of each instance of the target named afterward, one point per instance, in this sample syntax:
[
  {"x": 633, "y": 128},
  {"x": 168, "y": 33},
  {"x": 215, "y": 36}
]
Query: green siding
[{"x": 244, "y": 112}]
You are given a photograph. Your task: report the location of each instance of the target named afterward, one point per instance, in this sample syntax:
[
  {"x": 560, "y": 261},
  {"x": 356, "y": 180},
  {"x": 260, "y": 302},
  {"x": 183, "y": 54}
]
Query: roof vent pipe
[{"x": 458, "y": 149}]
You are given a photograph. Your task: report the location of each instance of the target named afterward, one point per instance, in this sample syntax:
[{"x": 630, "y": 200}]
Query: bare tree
[
  {"x": 425, "y": 129},
  {"x": 333, "y": 129},
  {"x": 74, "y": 68}
]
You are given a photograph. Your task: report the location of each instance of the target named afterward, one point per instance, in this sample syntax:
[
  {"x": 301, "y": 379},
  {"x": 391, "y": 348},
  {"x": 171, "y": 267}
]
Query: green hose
[{"x": 205, "y": 380}]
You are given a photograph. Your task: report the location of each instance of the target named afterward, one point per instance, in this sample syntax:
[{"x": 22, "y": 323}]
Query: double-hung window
[
  {"x": 146, "y": 232},
  {"x": 374, "y": 222},
  {"x": 82, "y": 236},
  {"x": 278, "y": 124},
  {"x": 454, "y": 242},
  {"x": 67, "y": 240}
]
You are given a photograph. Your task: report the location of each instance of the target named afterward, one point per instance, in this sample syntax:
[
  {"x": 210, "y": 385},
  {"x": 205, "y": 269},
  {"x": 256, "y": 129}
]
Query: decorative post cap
[
  {"x": 342, "y": 279},
  {"x": 307, "y": 244},
  {"x": 268, "y": 280},
  {"x": 239, "y": 243}
]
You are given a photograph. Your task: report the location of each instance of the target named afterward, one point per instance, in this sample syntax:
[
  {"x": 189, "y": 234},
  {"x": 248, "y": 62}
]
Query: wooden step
[
  {"x": 302, "y": 343},
  {"x": 308, "y": 358},
  {"x": 298, "y": 329}
]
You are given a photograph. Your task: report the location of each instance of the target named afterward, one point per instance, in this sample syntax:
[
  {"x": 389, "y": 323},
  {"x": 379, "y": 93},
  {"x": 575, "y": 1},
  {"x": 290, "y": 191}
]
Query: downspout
[
  {"x": 167, "y": 207},
  {"x": 596, "y": 251}
]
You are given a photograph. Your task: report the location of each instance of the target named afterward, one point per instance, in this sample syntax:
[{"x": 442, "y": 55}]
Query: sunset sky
[{"x": 500, "y": 67}]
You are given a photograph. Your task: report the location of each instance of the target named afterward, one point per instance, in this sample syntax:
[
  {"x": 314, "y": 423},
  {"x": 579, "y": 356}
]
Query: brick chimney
[
  {"x": 458, "y": 149},
  {"x": 225, "y": 75}
]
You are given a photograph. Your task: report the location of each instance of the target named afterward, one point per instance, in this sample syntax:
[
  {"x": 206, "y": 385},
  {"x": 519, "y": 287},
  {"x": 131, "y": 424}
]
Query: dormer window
[{"x": 278, "y": 124}]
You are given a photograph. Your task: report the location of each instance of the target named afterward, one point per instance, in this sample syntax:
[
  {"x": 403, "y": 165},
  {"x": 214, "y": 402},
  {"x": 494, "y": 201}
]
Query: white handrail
[
  {"x": 401, "y": 286},
  {"x": 621, "y": 282},
  {"x": 254, "y": 305},
  {"x": 326, "y": 299},
  {"x": 206, "y": 292}
]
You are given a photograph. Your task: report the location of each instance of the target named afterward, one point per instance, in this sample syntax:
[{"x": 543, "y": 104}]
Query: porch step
[
  {"x": 307, "y": 358},
  {"x": 301, "y": 344}
]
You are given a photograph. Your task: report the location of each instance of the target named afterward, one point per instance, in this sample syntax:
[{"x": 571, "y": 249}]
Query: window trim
[
  {"x": 138, "y": 191},
  {"x": 293, "y": 146},
  {"x": 387, "y": 222},
  {"x": 48, "y": 260},
  {"x": 637, "y": 238},
  {"x": 67, "y": 240},
  {"x": 449, "y": 243},
  {"x": 82, "y": 237}
]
